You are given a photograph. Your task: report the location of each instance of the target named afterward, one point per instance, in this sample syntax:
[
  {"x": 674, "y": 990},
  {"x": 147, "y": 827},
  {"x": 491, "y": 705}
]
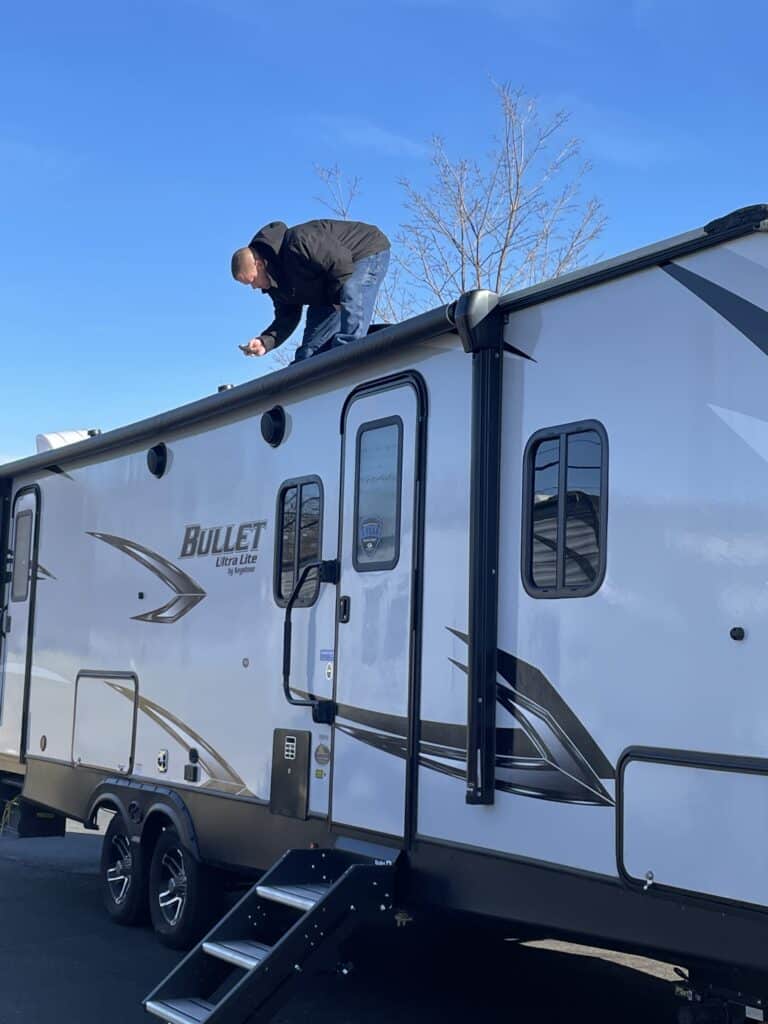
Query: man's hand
[{"x": 255, "y": 347}]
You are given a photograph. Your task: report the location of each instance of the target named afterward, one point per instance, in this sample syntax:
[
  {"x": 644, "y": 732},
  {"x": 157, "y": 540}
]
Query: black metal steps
[
  {"x": 180, "y": 1011},
  {"x": 284, "y": 929},
  {"x": 243, "y": 953},
  {"x": 300, "y": 897}
]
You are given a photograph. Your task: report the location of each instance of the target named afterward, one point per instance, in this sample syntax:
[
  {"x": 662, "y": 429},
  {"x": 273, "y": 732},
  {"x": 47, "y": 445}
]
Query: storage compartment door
[
  {"x": 696, "y": 828},
  {"x": 105, "y": 720}
]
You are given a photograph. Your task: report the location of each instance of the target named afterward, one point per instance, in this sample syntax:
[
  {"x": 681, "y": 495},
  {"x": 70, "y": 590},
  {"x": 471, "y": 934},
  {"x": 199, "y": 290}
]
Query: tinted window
[
  {"x": 376, "y": 544},
  {"x": 22, "y": 554},
  {"x": 566, "y": 495},
  {"x": 546, "y": 471},
  {"x": 309, "y": 537},
  {"x": 582, "y": 514},
  {"x": 300, "y": 508},
  {"x": 287, "y": 535}
]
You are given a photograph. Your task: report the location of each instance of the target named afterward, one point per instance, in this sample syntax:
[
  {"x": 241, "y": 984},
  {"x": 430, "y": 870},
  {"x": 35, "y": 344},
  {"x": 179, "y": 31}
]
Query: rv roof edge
[
  {"x": 755, "y": 217},
  {"x": 743, "y": 221},
  {"x": 740, "y": 222},
  {"x": 418, "y": 328}
]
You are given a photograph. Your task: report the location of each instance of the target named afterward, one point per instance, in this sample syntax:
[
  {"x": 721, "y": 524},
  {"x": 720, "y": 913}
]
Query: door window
[
  {"x": 22, "y": 556},
  {"x": 378, "y": 486}
]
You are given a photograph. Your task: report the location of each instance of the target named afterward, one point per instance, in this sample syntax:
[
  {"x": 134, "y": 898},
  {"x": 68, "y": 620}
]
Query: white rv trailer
[{"x": 485, "y": 595}]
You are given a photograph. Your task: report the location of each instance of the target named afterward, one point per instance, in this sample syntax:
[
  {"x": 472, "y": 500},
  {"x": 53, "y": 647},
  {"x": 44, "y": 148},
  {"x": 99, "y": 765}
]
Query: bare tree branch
[
  {"x": 342, "y": 191},
  {"x": 504, "y": 222},
  {"x": 501, "y": 220}
]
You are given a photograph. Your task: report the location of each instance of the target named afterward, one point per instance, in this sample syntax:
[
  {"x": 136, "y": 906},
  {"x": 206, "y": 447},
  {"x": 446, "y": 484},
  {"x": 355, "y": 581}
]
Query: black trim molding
[
  {"x": 484, "y": 513},
  {"x": 555, "y": 899}
]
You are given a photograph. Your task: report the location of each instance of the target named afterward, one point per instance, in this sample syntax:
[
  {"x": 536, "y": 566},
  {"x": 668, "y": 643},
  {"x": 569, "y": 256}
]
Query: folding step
[
  {"x": 240, "y": 952},
  {"x": 302, "y": 897},
  {"x": 257, "y": 955},
  {"x": 180, "y": 1011}
]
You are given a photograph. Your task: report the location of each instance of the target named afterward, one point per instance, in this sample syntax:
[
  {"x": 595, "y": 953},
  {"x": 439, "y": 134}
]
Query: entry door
[
  {"x": 16, "y": 626},
  {"x": 371, "y": 748}
]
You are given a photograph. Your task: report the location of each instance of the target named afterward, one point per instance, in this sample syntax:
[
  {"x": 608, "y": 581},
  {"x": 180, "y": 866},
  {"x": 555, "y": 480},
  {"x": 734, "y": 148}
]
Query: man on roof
[{"x": 333, "y": 267}]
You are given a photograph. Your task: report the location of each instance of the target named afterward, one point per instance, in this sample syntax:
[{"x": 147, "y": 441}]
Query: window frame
[
  {"x": 26, "y": 513},
  {"x": 561, "y": 434},
  {"x": 296, "y": 482},
  {"x": 370, "y": 425}
]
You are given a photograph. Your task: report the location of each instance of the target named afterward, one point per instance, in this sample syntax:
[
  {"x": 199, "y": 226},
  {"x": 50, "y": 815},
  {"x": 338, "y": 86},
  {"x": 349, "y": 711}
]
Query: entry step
[
  {"x": 180, "y": 1011},
  {"x": 301, "y": 897},
  {"x": 264, "y": 953},
  {"x": 240, "y": 952}
]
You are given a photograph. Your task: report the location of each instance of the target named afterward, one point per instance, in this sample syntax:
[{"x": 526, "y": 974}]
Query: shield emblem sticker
[{"x": 370, "y": 534}]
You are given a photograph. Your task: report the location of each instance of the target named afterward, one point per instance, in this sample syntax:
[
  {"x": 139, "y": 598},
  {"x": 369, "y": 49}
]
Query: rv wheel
[
  {"x": 181, "y": 898},
  {"x": 123, "y": 875}
]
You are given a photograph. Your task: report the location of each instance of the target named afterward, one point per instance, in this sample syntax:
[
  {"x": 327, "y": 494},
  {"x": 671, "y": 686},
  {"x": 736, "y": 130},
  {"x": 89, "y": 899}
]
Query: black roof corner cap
[
  {"x": 748, "y": 216},
  {"x": 472, "y": 316}
]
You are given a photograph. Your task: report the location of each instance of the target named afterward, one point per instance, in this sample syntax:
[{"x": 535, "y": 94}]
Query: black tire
[
  {"x": 183, "y": 896},
  {"x": 123, "y": 875}
]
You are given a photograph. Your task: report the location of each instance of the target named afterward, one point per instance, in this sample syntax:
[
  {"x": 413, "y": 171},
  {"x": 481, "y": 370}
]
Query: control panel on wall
[{"x": 289, "y": 793}]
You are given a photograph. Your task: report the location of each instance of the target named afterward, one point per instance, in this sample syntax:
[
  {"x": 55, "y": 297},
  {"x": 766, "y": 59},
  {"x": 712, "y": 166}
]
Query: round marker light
[
  {"x": 273, "y": 426},
  {"x": 157, "y": 460}
]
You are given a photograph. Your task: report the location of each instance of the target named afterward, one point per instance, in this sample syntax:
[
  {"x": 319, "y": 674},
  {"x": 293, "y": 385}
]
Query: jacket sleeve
[
  {"x": 285, "y": 323},
  {"x": 333, "y": 260}
]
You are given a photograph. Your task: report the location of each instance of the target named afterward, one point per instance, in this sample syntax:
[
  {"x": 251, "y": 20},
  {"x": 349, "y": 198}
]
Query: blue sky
[{"x": 140, "y": 143}]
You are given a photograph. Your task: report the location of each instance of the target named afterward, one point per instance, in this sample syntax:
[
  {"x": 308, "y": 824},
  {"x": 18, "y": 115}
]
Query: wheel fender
[
  {"x": 139, "y": 803},
  {"x": 181, "y": 820},
  {"x": 107, "y": 801}
]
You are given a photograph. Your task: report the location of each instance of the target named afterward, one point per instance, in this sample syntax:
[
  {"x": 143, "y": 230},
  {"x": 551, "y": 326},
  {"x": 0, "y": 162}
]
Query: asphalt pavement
[{"x": 62, "y": 960}]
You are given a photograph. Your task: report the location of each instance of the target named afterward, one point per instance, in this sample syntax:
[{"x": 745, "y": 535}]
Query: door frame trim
[
  {"x": 415, "y": 380},
  {"x": 6, "y": 516},
  {"x": 22, "y": 492}
]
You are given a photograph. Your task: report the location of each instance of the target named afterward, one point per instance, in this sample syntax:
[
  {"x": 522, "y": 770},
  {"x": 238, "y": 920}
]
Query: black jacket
[{"x": 308, "y": 264}]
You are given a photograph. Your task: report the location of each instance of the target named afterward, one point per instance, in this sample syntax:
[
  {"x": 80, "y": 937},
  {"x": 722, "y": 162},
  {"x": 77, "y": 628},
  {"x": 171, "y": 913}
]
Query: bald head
[{"x": 249, "y": 268}]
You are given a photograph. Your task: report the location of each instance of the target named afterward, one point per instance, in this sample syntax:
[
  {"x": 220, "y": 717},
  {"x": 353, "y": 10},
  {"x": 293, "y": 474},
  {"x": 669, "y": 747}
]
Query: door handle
[{"x": 343, "y": 609}]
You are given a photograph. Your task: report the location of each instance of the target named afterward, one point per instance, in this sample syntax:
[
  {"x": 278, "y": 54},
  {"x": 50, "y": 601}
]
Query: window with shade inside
[
  {"x": 565, "y": 503},
  {"x": 298, "y": 539}
]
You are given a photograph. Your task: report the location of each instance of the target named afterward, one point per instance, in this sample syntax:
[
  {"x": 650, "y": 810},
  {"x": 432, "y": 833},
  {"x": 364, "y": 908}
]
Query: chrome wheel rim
[
  {"x": 172, "y": 897},
  {"x": 120, "y": 869}
]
